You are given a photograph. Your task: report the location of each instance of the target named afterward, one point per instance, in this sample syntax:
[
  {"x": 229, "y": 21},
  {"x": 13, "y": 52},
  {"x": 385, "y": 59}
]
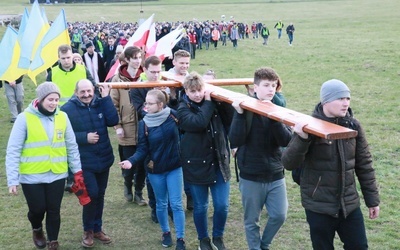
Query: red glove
[{"x": 79, "y": 189}]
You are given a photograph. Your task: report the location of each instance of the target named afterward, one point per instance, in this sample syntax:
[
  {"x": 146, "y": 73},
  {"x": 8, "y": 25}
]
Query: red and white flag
[
  {"x": 151, "y": 40},
  {"x": 139, "y": 38},
  {"x": 163, "y": 47}
]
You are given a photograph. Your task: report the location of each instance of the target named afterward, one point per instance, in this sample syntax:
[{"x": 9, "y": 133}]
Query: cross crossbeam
[{"x": 287, "y": 116}]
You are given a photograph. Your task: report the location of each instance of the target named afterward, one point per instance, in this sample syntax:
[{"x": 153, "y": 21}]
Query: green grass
[{"x": 353, "y": 40}]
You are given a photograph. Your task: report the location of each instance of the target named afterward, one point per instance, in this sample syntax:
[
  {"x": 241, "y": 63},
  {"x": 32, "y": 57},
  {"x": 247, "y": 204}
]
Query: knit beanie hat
[
  {"x": 89, "y": 44},
  {"x": 46, "y": 89},
  {"x": 332, "y": 90}
]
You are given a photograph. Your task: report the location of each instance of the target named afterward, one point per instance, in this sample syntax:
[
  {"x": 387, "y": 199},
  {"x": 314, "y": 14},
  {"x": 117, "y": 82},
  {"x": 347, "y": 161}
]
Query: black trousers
[
  {"x": 351, "y": 230},
  {"x": 45, "y": 198},
  {"x": 137, "y": 172}
]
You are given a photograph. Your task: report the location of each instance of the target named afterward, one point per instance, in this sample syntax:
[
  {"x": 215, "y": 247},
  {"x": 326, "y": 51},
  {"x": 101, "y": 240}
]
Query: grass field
[{"x": 352, "y": 40}]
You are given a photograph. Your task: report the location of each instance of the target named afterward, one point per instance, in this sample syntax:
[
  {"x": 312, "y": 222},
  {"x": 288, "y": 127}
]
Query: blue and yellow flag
[
  {"x": 35, "y": 30},
  {"x": 10, "y": 52},
  {"x": 47, "y": 52}
]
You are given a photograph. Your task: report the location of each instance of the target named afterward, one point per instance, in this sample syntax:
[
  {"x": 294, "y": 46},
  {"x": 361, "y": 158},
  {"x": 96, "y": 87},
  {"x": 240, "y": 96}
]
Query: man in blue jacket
[{"x": 90, "y": 116}]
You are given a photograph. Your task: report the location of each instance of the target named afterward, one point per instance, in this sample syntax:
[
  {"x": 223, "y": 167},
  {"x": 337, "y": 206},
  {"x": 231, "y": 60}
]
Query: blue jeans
[
  {"x": 351, "y": 230},
  {"x": 290, "y": 38},
  {"x": 168, "y": 186},
  {"x": 279, "y": 33},
  {"x": 256, "y": 195},
  {"x": 220, "y": 195},
  {"x": 96, "y": 184}
]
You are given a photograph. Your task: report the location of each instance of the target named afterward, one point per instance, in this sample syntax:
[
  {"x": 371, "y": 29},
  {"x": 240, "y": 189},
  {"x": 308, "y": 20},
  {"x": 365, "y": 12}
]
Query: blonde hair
[
  {"x": 193, "y": 81},
  {"x": 160, "y": 95},
  {"x": 77, "y": 55},
  {"x": 181, "y": 53}
]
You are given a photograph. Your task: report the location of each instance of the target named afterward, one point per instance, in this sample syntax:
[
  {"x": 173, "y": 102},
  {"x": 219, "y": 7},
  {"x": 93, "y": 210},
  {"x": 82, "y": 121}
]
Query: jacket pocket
[
  {"x": 198, "y": 170},
  {"x": 316, "y": 187}
]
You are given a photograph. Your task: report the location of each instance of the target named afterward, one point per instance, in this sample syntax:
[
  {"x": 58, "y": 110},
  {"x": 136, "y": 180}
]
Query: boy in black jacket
[{"x": 262, "y": 180}]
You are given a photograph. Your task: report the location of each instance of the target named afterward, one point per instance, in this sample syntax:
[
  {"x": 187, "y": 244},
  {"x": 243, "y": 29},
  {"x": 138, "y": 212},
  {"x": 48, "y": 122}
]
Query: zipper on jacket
[{"x": 316, "y": 187}]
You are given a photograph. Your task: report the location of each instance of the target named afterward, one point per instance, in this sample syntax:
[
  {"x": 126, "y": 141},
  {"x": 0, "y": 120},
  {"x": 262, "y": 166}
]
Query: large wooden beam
[
  {"x": 173, "y": 83},
  {"x": 287, "y": 116},
  {"x": 131, "y": 85}
]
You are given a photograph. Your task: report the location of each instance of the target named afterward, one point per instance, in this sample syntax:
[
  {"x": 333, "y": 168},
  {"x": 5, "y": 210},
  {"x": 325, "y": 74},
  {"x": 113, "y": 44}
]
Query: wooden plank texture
[{"x": 287, "y": 116}]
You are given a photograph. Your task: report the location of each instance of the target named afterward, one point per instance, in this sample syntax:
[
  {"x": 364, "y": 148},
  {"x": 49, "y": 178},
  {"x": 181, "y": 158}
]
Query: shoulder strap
[
  {"x": 146, "y": 130},
  {"x": 173, "y": 117}
]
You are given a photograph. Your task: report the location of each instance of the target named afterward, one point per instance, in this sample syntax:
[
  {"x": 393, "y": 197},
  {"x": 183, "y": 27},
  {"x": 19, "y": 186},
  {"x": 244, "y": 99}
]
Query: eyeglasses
[
  {"x": 149, "y": 103},
  {"x": 155, "y": 72}
]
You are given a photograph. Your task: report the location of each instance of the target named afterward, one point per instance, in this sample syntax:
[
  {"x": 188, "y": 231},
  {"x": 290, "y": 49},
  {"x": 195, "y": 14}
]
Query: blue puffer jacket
[
  {"x": 95, "y": 117},
  {"x": 161, "y": 145}
]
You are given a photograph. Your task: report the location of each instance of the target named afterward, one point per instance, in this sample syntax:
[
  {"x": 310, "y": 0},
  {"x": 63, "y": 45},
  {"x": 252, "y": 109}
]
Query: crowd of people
[
  {"x": 179, "y": 141},
  {"x": 197, "y": 34}
]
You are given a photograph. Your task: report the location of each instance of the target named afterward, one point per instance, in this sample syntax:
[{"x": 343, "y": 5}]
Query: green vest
[
  {"x": 41, "y": 155},
  {"x": 66, "y": 80},
  {"x": 101, "y": 49},
  {"x": 279, "y": 25},
  {"x": 76, "y": 38}
]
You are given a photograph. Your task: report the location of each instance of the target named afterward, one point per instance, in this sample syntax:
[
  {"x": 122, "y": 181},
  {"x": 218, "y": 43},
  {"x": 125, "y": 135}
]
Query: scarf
[
  {"x": 42, "y": 110},
  {"x": 93, "y": 65},
  {"x": 156, "y": 119}
]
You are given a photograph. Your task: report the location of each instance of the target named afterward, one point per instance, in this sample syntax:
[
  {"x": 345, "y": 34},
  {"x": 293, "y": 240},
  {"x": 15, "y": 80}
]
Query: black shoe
[
  {"x": 166, "y": 239},
  {"x": 180, "y": 244},
  {"x": 205, "y": 244},
  {"x": 219, "y": 243}
]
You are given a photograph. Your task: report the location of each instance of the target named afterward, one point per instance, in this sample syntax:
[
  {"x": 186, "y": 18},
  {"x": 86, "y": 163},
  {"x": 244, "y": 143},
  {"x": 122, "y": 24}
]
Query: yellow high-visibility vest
[
  {"x": 66, "y": 80},
  {"x": 41, "y": 155}
]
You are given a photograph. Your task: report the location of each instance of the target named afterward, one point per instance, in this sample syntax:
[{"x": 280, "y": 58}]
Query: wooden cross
[{"x": 287, "y": 116}]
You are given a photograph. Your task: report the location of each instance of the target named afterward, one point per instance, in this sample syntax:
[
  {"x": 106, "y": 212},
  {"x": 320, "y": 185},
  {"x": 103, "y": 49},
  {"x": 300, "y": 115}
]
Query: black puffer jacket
[
  {"x": 329, "y": 169},
  {"x": 204, "y": 143},
  {"x": 259, "y": 146}
]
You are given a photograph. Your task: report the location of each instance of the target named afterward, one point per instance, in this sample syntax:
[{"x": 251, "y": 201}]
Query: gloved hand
[
  {"x": 120, "y": 132},
  {"x": 79, "y": 189}
]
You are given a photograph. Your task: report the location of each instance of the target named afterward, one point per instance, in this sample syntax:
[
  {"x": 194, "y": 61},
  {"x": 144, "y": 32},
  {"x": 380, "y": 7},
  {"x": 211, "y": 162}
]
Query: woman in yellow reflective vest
[{"x": 40, "y": 149}]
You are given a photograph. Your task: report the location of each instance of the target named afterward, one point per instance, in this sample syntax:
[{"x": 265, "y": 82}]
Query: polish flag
[
  {"x": 139, "y": 38},
  {"x": 163, "y": 47},
  {"x": 151, "y": 40},
  {"x": 113, "y": 70}
]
